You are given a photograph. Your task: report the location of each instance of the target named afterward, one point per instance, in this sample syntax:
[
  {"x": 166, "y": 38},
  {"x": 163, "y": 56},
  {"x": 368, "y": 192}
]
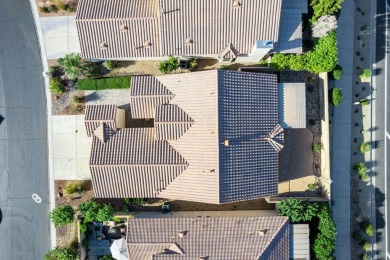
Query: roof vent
[
  {"x": 103, "y": 45},
  {"x": 124, "y": 28},
  {"x": 182, "y": 233},
  {"x": 236, "y": 3},
  {"x": 203, "y": 257},
  {"x": 189, "y": 41},
  {"x": 262, "y": 232},
  {"x": 147, "y": 44},
  {"x": 226, "y": 142}
]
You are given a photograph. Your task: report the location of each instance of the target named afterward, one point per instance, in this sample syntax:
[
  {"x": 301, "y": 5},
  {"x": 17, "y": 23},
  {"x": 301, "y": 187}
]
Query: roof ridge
[{"x": 282, "y": 225}]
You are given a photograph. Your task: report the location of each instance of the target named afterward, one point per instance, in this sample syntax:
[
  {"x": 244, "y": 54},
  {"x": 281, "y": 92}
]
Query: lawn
[{"x": 104, "y": 83}]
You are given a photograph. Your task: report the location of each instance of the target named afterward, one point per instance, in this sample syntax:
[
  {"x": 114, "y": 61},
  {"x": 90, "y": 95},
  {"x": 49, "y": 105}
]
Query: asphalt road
[
  {"x": 382, "y": 147},
  {"x": 24, "y": 230}
]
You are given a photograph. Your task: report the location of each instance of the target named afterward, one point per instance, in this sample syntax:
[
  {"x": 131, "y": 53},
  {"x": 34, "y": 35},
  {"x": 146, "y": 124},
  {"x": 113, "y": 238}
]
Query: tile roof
[
  {"x": 171, "y": 122},
  {"x": 155, "y": 28},
  {"x": 215, "y": 238},
  {"x": 97, "y": 114},
  {"x": 146, "y": 94}
]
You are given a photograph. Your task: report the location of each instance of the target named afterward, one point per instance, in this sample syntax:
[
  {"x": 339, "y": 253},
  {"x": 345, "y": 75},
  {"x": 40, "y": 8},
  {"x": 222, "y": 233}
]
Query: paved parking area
[
  {"x": 60, "y": 36},
  {"x": 71, "y": 148}
]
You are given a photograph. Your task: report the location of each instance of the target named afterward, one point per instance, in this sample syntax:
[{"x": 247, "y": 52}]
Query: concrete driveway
[
  {"x": 60, "y": 36},
  {"x": 71, "y": 148}
]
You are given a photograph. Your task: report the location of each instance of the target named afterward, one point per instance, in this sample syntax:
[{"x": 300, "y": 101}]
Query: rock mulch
[{"x": 118, "y": 97}]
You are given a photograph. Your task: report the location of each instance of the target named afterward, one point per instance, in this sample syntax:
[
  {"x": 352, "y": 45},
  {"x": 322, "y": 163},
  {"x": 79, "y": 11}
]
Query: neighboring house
[
  {"x": 216, "y": 139},
  {"x": 228, "y": 30},
  {"x": 208, "y": 238}
]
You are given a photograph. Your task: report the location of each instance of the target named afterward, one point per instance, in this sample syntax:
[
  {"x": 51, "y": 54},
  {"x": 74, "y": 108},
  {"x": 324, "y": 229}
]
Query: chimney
[
  {"x": 236, "y": 3},
  {"x": 226, "y": 142},
  {"x": 262, "y": 232}
]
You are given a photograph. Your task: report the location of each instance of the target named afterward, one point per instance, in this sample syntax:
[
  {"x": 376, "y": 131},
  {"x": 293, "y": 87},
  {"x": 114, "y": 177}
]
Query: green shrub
[
  {"x": 51, "y": 8},
  {"x": 169, "y": 65},
  {"x": 93, "y": 211},
  {"x": 53, "y": 70},
  {"x": 324, "y": 244},
  {"x": 106, "y": 257},
  {"x": 62, "y": 215},
  {"x": 223, "y": 67},
  {"x": 368, "y": 228},
  {"x": 316, "y": 147},
  {"x": 324, "y": 7},
  {"x": 91, "y": 70},
  {"x": 281, "y": 61},
  {"x": 103, "y": 83},
  {"x": 366, "y": 73},
  {"x": 365, "y": 257},
  {"x": 364, "y": 102},
  {"x": 311, "y": 187},
  {"x": 367, "y": 246},
  {"x": 85, "y": 243},
  {"x": 364, "y": 147},
  {"x": 110, "y": 64},
  {"x": 136, "y": 201},
  {"x": 116, "y": 219},
  {"x": 74, "y": 187},
  {"x": 193, "y": 64},
  {"x": 337, "y": 72},
  {"x": 297, "y": 210},
  {"x": 105, "y": 213},
  {"x": 362, "y": 170},
  {"x": 335, "y": 96},
  {"x": 55, "y": 86},
  {"x": 61, "y": 254}
]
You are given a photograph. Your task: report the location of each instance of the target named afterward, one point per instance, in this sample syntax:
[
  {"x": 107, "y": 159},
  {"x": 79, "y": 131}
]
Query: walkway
[{"x": 342, "y": 135}]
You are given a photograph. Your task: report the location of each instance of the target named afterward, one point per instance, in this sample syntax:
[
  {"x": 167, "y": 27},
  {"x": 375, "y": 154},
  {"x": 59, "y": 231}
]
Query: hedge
[{"x": 104, "y": 83}]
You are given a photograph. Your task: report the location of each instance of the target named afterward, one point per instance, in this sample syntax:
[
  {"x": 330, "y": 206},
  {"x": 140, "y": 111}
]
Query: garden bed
[{"x": 52, "y": 8}]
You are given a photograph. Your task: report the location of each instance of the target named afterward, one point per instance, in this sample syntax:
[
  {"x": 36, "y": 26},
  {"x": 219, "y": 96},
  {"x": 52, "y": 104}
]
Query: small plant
[
  {"x": 364, "y": 147},
  {"x": 92, "y": 70},
  {"x": 337, "y": 72},
  {"x": 316, "y": 147},
  {"x": 61, "y": 254},
  {"x": 43, "y": 9},
  {"x": 51, "y": 8},
  {"x": 193, "y": 64},
  {"x": 85, "y": 243},
  {"x": 169, "y": 65},
  {"x": 70, "y": 7},
  {"x": 127, "y": 200},
  {"x": 363, "y": 102},
  {"x": 61, "y": 5},
  {"x": 362, "y": 171},
  {"x": 366, "y": 246},
  {"x": 62, "y": 215},
  {"x": 311, "y": 187},
  {"x": 365, "y": 257},
  {"x": 55, "y": 86},
  {"x": 110, "y": 64},
  {"x": 366, "y": 73},
  {"x": 368, "y": 228},
  {"x": 77, "y": 100},
  {"x": 74, "y": 187},
  {"x": 223, "y": 67},
  {"x": 335, "y": 96},
  {"x": 106, "y": 257}
]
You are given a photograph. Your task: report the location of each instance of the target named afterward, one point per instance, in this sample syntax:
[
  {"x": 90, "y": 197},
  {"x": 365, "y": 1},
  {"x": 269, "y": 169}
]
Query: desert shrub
[
  {"x": 368, "y": 228},
  {"x": 335, "y": 96},
  {"x": 61, "y": 5},
  {"x": 55, "y": 86},
  {"x": 324, "y": 7},
  {"x": 61, "y": 254},
  {"x": 103, "y": 83},
  {"x": 364, "y": 147},
  {"x": 316, "y": 147},
  {"x": 297, "y": 210},
  {"x": 51, "y": 8},
  {"x": 85, "y": 242},
  {"x": 43, "y": 9},
  {"x": 363, "y": 102},
  {"x": 110, "y": 64},
  {"x": 74, "y": 187},
  {"x": 324, "y": 244},
  {"x": 337, "y": 72},
  {"x": 169, "y": 65},
  {"x": 70, "y": 7},
  {"x": 366, "y": 73},
  {"x": 77, "y": 100},
  {"x": 62, "y": 215},
  {"x": 362, "y": 170}
]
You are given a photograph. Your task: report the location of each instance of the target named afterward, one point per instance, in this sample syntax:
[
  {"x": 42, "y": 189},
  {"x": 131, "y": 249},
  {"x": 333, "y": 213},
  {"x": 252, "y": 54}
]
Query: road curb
[{"x": 45, "y": 67}]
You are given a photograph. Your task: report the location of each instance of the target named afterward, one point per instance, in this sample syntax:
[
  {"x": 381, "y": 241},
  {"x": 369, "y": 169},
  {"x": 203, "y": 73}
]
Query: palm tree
[{"x": 72, "y": 65}]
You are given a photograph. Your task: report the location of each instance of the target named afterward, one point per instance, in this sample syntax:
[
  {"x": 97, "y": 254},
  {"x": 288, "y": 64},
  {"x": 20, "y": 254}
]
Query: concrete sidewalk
[
  {"x": 60, "y": 36},
  {"x": 341, "y": 157}
]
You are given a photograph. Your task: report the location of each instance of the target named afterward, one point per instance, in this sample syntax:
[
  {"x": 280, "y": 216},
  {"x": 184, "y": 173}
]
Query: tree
[
  {"x": 72, "y": 65},
  {"x": 110, "y": 64},
  {"x": 105, "y": 213},
  {"x": 297, "y": 210},
  {"x": 93, "y": 211},
  {"x": 335, "y": 96},
  {"x": 364, "y": 147},
  {"x": 62, "y": 215},
  {"x": 61, "y": 254},
  {"x": 169, "y": 65},
  {"x": 324, "y": 25},
  {"x": 324, "y": 7}
]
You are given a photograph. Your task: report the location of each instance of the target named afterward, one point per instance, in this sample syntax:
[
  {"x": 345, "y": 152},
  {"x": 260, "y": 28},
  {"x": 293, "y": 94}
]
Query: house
[
  {"x": 216, "y": 138},
  {"x": 207, "y": 238},
  {"x": 227, "y": 30}
]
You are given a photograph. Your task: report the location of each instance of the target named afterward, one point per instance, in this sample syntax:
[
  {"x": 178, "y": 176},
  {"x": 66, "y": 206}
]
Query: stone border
[{"x": 45, "y": 66}]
